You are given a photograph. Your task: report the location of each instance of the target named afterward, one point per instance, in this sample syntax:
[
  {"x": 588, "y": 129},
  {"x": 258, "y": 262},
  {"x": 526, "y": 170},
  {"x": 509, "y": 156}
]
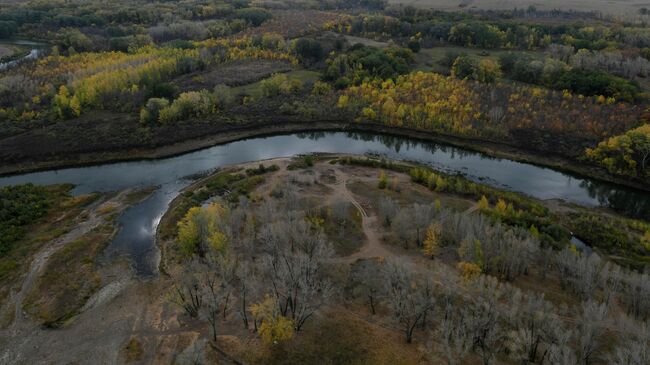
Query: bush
[
  {"x": 591, "y": 83},
  {"x": 150, "y": 113},
  {"x": 321, "y": 88},
  {"x": 253, "y": 16},
  {"x": 464, "y": 67},
  {"x": 280, "y": 84},
  {"x": 189, "y": 104},
  {"x": 223, "y": 96},
  {"x": 308, "y": 49}
]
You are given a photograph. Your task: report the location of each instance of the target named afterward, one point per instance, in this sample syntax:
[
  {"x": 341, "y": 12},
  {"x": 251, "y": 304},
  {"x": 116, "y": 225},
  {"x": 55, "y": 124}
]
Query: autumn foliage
[{"x": 430, "y": 101}]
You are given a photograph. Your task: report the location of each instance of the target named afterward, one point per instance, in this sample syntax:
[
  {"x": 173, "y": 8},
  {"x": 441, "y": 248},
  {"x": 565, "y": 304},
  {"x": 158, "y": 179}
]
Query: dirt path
[
  {"x": 373, "y": 247},
  {"x": 43, "y": 256}
]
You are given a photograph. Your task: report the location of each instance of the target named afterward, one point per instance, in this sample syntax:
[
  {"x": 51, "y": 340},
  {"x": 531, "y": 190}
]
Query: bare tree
[
  {"x": 409, "y": 296},
  {"x": 455, "y": 337},
  {"x": 634, "y": 349},
  {"x": 215, "y": 300},
  {"x": 247, "y": 289},
  {"x": 537, "y": 328},
  {"x": 482, "y": 318},
  {"x": 388, "y": 208},
  {"x": 294, "y": 270},
  {"x": 590, "y": 331},
  {"x": 368, "y": 281},
  {"x": 188, "y": 291},
  {"x": 636, "y": 295},
  {"x": 580, "y": 273},
  {"x": 561, "y": 353}
]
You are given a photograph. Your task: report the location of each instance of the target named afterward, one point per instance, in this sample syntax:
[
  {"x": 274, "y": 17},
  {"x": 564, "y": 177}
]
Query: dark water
[
  {"x": 36, "y": 52},
  {"x": 139, "y": 223}
]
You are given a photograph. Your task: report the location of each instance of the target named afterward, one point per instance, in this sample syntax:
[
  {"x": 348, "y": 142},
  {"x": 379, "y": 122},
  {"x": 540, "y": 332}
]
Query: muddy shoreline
[{"x": 497, "y": 150}]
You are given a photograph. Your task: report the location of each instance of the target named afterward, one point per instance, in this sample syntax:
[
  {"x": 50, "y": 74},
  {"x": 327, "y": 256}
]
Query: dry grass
[{"x": 69, "y": 278}]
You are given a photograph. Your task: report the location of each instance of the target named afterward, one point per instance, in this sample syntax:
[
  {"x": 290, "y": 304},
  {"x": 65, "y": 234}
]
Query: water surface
[{"x": 139, "y": 223}]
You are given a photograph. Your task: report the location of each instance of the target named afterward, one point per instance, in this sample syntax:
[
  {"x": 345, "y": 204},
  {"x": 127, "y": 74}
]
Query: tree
[
  {"x": 188, "y": 291},
  {"x": 293, "y": 268},
  {"x": 369, "y": 281},
  {"x": 626, "y": 154},
  {"x": 274, "y": 328},
  {"x": 537, "y": 328},
  {"x": 454, "y": 336},
  {"x": 483, "y": 204},
  {"x": 464, "y": 67},
  {"x": 203, "y": 228},
  {"x": 409, "y": 297},
  {"x": 488, "y": 71},
  {"x": 383, "y": 180},
  {"x": 591, "y": 328},
  {"x": 633, "y": 350},
  {"x": 482, "y": 318},
  {"x": 308, "y": 49},
  {"x": 61, "y": 103},
  {"x": 432, "y": 240},
  {"x": 388, "y": 208},
  {"x": 214, "y": 300},
  {"x": 468, "y": 271},
  {"x": 150, "y": 113}
]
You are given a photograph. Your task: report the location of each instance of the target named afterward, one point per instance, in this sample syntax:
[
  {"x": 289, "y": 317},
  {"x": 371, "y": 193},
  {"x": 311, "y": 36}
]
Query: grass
[
  {"x": 428, "y": 59},
  {"x": 348, "y": 237},
  {"x": 59, "y": 219},
  {"x": 341, "y": 338},
  {"x": 408, "y": 195},
  {"x": 255, "y": 89},
  {"x": 69, "y": 279}
]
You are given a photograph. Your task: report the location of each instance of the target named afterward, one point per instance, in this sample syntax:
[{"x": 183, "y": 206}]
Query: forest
[
  {"x": 570, "y": 85},
  {"x": 449, "y": 272}
]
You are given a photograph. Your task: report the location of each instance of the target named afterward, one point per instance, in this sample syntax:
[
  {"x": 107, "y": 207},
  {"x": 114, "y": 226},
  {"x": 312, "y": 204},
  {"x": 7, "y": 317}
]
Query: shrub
[
  {"x": 150, "y": 113},
  {"x": 280, "y": 84},
  {"x": 253, "y": 16},
  {"x": 189, "y": 104}
]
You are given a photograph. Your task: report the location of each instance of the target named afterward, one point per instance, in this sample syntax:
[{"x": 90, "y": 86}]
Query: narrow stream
[{"x": 136, "y": 238}]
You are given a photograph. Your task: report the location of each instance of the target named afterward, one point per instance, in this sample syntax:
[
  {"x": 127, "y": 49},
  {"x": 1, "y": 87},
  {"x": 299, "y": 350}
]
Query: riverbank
[{"x": 236, "y": 133}]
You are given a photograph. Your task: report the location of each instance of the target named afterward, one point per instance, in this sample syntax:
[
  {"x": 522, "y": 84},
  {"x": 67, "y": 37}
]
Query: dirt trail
[
  {"x": 373, "y": 247},
  {"x": 92, "y": 221}
]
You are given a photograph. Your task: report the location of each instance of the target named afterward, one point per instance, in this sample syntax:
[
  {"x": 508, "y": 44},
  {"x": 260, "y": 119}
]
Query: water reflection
[{"x": 138, "y": 223}]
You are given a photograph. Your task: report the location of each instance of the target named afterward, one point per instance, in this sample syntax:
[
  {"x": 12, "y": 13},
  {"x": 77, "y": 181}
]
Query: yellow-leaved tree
[
  {"x": 468, "y": 271},
  {"x": 483, "y": 204},
  {"x": 201, "y": 229},
  {"x": 432, "y": 240},
  {"x": 274, "y": 328}
]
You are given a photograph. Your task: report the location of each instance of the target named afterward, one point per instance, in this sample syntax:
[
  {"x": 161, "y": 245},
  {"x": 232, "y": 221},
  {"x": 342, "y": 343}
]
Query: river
[
  {"x": 136, "y": 237},
  {"x": 37, "y": 50}
]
